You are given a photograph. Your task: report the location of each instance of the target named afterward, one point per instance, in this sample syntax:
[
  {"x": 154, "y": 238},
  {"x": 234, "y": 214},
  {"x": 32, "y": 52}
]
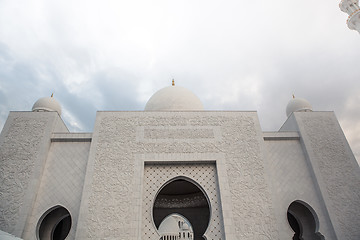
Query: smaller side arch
[
  {"x": 304, "y": 221},
  {"x": 54, "y": 224}
]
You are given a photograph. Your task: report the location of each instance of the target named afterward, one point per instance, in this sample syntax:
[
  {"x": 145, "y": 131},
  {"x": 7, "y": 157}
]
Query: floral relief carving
[
  {"x": 110, "y": 204},
  {"x": 252, "y": 215},
  {"x": 17, "y": 157}
]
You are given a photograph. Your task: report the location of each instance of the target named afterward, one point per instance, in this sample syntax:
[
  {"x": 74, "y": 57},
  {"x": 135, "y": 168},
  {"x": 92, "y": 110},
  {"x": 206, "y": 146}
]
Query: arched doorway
[
  {"x": 182, "y": 196},
  {"x": 54, "y": 224},
  {"x": 303, "y": 221}
]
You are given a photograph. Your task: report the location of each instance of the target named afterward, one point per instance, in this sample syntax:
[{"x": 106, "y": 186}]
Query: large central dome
[{"x": 174, "y": 98}]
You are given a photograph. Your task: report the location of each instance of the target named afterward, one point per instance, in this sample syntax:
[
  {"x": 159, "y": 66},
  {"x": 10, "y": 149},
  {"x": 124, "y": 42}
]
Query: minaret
[{"x": 351, "y": 7}]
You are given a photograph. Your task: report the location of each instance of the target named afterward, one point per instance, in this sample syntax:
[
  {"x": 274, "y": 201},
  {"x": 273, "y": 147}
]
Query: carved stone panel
[
  {"x": 114, "y": 201},
  {"x": 250, "y": 196},
  {"x": 20, "y": 149}
]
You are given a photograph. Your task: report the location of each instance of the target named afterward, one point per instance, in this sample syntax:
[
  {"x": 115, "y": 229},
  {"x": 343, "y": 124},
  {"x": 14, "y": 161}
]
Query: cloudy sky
[{"x": 233, "y": 54}]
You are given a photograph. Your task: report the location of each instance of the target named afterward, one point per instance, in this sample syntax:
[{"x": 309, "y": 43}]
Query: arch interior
[
  {"x": 55, "y": 224},
  {"x": 183, "y": 198},
  {"x": 303, "y": 221}
]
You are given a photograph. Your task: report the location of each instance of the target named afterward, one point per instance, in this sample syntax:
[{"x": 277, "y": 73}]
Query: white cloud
[{"x": 238, "y": 55}]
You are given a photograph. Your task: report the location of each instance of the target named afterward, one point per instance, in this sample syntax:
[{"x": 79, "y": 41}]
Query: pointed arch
[
  {"x": 303, "y": 221},
  {"x": 184, "y": 196},
  {"x": 54, "y": 224}
]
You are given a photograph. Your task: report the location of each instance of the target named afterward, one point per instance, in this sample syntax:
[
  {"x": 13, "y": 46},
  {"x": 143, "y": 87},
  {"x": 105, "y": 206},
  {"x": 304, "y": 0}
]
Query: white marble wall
[
  {"x": 24, "y": 144},
  {"x": 61, "y": 183},
  {"x": 291, "y": 180},
  {"x": 336, "y": 170},
  {"x": 256, "y": 179},
  {"x": 111, "y": 203}
]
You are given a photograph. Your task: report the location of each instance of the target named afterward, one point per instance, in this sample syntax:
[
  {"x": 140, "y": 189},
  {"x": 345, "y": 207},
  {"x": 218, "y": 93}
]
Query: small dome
[
  {"x": 174, "y": 98},
  {"x": 298, "y": 105},
  {"x": 169, "y": 226},
  {"x": 47, "y": 104}
]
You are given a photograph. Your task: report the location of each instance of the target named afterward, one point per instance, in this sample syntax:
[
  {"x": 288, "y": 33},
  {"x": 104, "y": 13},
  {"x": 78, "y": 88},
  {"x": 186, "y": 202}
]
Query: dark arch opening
[
  {"x": 55, "y": 224},
  {"x": 303, "y": 221},
  {"x": 183, "y": 197}
]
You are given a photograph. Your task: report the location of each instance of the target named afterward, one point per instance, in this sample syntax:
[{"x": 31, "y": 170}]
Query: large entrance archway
[
  {"x": 303, "y": 221},
  {"x": 184, "y": 197}
]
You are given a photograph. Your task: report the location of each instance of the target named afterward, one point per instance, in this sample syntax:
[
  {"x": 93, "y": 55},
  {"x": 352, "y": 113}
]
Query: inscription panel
[
  {"x": 167, "y": 134},
  {"x": 181, "y": 133}
]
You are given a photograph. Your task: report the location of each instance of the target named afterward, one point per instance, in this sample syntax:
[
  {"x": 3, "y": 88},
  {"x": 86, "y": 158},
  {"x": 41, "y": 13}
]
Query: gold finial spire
[
  {"x": 293, "y": 96},
  {"x": 52, "y": 94},
  {"x": 173, "y": 82}
]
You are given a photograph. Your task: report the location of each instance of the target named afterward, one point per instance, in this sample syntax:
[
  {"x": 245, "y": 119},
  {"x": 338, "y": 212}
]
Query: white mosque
[{"x": 176, "y": 171}]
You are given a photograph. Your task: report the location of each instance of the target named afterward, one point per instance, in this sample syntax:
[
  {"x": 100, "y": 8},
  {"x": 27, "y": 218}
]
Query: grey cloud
[
  {"x": 118, "y": 88},
  {"x": 216, "y": 51}
]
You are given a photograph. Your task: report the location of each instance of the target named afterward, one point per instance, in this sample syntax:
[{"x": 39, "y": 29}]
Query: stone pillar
[
  {"x": 24, "y": 144},
  {"x": 335, "y": 170}
]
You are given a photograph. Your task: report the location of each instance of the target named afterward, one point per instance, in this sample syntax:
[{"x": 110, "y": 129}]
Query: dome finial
[
  {"x": 47, "y": 104},
  {"x": 173, "y": 82},
  {"x": 298, "y": 105}
]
